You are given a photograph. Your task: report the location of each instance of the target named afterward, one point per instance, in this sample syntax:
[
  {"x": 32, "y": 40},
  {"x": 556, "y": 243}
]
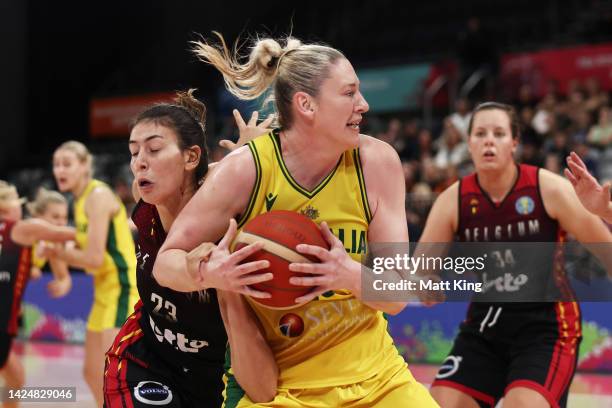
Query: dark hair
[
  {"x": 510, "y": 111},
  {"x": 187, "y": 117}
]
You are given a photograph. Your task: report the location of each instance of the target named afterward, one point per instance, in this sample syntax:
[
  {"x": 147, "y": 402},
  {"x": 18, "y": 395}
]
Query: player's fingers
[
  {"x": 227, "y": 144},
  {"x": 309, "y": 280},
  {"x": 306, "y": 268},
  {"x": 606, "y": 188},
  {"x": 575, "y": 158},
  {"x": 570, "y": 176},
  {"x": 253, "y": 279},
  {"x": 238, "y": 118},
  {"x": 321, "y": 253},
  {"x": 249, "y": 291},
  {"x": 229, "y": 235},
  {"x": 329, "y": 236},
  {"x": 251, "y": 267},
  {"x": 253, "y": 120},
  {"x": 267, "y": 123},
  {"x": 245, "y": 252}
]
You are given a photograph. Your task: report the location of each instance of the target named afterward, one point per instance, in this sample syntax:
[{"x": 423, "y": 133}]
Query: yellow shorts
[
  {"x": 112, "y": 305},
  {"x": 393, "y": 388}
]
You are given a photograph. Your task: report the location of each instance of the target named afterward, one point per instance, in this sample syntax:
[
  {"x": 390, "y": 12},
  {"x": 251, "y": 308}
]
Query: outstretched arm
[
  {"x": 27, "y": 232},
  {"x": 593, "y": 196},
  {"x": 100, "y": 207}
]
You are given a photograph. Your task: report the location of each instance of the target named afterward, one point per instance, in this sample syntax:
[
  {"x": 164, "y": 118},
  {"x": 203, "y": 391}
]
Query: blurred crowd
[
  {"x": 432, "y": 157},
  {"x": 551, "y": 127}
]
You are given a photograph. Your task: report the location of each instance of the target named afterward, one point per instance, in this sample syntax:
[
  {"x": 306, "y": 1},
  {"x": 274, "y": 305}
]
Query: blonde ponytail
[{"x": 294, "y": 67}]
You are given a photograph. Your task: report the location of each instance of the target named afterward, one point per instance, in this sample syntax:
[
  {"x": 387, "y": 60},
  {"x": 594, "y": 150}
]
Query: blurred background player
[
  {"x": 169, "y": 161},
  {"x": 52, "y": 207},
  {"x": 316, "y": 163},
  {"x": 523, "y": 352},
  {"x": 105, "y": 250},
  {"x": 16, "y": 238}
]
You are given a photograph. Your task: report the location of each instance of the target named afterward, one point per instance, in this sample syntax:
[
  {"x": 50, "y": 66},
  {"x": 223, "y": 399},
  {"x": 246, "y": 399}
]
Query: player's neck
[
  {"x": 80, "y": 187},
  {"x": 497, "y": 184},
  {"x": 169, "y": 210},
  {"x": 307, "y": 160}
]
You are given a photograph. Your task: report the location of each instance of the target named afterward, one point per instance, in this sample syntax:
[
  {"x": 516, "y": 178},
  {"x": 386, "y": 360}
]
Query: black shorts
[
  {"x": 6, "y": 341},
  {"x": 497, "y": 350},
  {"x": 135, "y": 376}
]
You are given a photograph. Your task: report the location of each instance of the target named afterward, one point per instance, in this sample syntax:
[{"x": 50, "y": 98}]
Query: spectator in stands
[
  {"x": 453, "y": 150},
  {"x": 461, "y": 117},
  {"x": 595, "y": 96},
  {"x": 525, "y": 98},
  {"x": 410, "y": 139},
  {"x": 418, "y": 203},
  {"x": 600, "y": 135},
  {"x": 580, "y": 127}
]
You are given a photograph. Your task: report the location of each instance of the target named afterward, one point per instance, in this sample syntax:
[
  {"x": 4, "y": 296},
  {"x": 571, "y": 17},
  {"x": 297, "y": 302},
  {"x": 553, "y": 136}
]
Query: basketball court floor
[{"x": 56, "y": 364}]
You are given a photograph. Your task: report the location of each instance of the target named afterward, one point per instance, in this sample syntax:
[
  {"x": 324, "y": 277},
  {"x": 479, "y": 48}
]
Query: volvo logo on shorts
[
  {"x": 153, "y": 393},
  {"x": 524, "y": 205},
  {"x": 449, "y": 367}
]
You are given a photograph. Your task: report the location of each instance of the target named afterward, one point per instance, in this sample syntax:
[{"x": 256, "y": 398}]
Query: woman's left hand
[{"x": 336, "y": 269}]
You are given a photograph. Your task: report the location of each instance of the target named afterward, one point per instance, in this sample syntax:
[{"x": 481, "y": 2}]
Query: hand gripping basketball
[
  {"x": 223, "y": 270},
  {"x": 336, "y": 269}
]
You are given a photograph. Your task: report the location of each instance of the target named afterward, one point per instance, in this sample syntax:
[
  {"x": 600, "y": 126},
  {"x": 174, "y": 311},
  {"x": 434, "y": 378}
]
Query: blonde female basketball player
[
  {"x": 105, "y": 250},
  {"x": 52, "y": 207},
  {"x": 319, "y": 164},
  {"x": 16, "y": 238}
]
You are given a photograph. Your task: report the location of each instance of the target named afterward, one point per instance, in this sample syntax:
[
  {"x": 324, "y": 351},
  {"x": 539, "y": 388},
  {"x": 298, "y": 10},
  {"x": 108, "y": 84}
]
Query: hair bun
[
  {"x": 190, "y": 103},
  {"x": 267, "y": 52}
]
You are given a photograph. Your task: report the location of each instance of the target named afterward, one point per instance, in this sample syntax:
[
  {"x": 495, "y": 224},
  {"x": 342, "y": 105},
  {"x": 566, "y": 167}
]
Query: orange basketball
[{"x": 281, "y": 232}]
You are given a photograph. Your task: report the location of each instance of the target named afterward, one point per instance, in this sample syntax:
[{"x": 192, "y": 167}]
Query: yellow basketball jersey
[
  {"x": 115, "y": 280},
  {"x": 335, "y": 339},
  {"x": 36, "y": 260}
]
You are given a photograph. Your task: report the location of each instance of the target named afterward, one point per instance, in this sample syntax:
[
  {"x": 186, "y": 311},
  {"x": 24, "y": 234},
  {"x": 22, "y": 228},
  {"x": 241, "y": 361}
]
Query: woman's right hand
[
  {"x": 215, "y": 267},
  {"x": 248, "y": 131}
]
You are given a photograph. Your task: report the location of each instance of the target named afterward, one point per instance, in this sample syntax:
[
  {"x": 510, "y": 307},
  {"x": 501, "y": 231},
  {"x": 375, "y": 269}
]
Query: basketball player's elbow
[
  {"x": 94, "y": 260},
  {"x": 264, "y": 389}
]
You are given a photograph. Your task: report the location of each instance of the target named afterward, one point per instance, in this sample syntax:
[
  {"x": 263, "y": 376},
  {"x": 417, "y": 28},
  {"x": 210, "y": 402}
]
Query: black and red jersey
[
  {"x": 15, "y": 262},
  {"x": 185, "y": 329},
  {"x": 519, "y": 217},
  {"x": 521, "y": 240}
]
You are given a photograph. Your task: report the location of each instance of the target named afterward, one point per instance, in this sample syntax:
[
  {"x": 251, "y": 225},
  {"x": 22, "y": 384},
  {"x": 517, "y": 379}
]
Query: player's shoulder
[
  {"x": 448, "y": 199},
  {"x": 377, "y": 154},
  {"x": 236, "y": 169},
  {"x": 375, "y": 148}
]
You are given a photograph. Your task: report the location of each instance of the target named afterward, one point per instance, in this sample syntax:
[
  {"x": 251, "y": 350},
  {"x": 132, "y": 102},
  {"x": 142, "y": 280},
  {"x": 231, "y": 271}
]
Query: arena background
[{"x": 81, "y": 70}]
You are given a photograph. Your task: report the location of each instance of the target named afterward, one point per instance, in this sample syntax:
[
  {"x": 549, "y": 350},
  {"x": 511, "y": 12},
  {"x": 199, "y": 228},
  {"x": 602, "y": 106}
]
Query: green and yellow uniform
[
  {"x": 334, "y": 351},
  {"x": 115, "y": 290}
]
